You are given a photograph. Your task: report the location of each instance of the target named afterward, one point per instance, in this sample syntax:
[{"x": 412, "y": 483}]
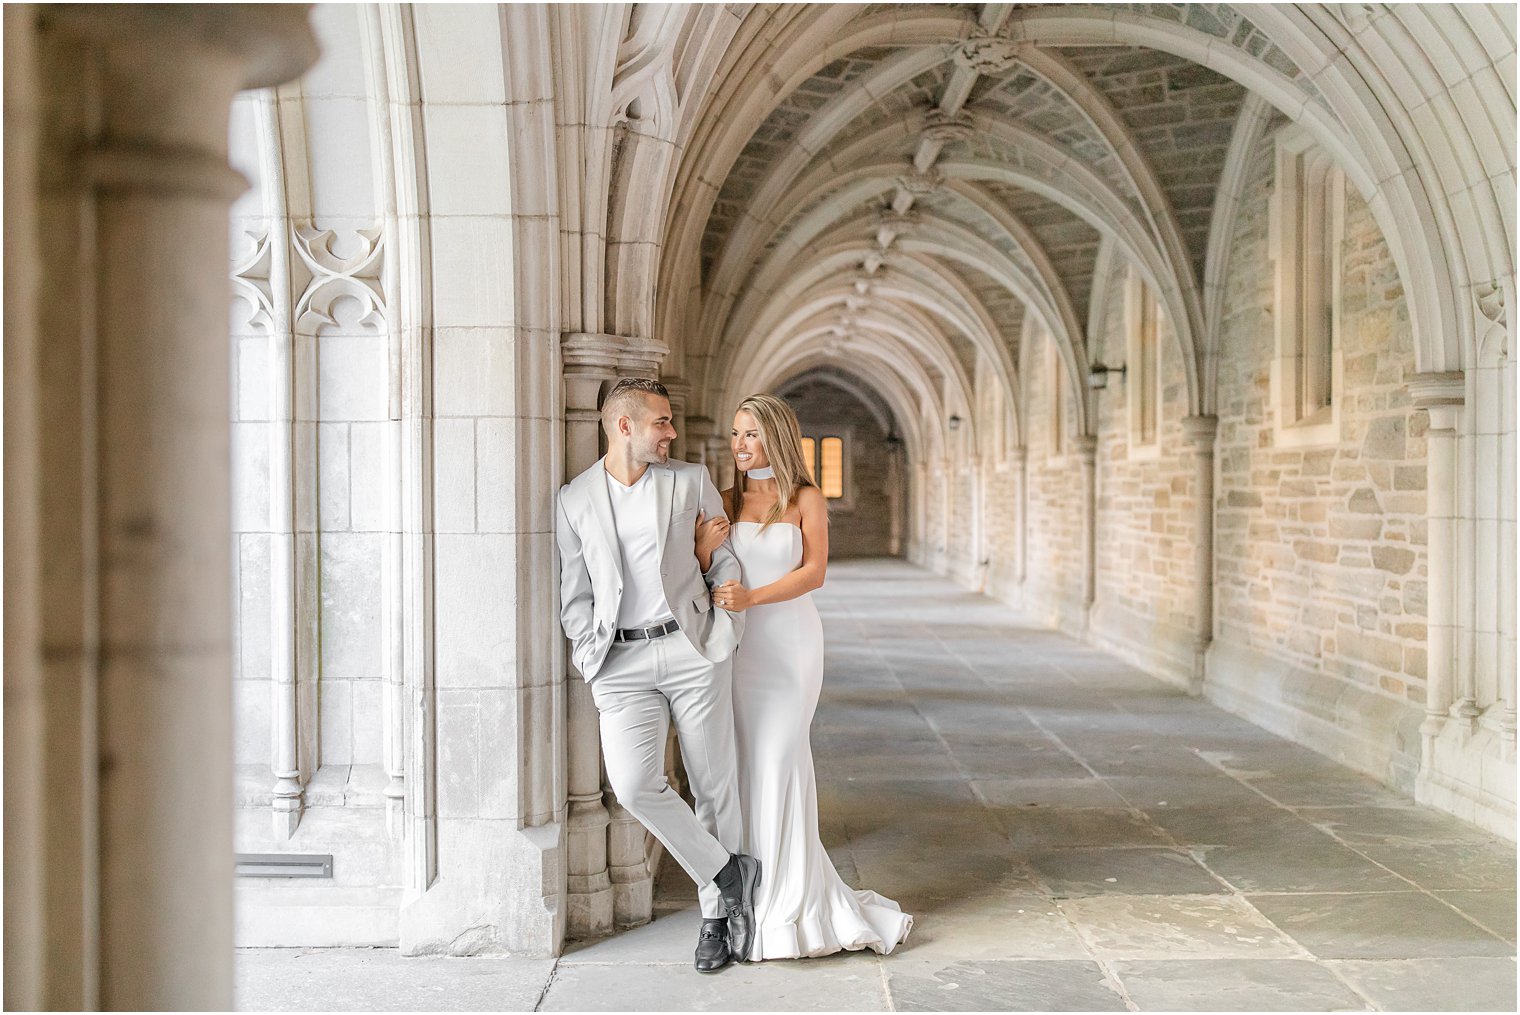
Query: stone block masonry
[{"x": 1321, "y": 550}]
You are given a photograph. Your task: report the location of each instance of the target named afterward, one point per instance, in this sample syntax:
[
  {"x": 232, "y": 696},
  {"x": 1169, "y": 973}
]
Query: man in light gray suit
[{"x": 636, "y": 604}]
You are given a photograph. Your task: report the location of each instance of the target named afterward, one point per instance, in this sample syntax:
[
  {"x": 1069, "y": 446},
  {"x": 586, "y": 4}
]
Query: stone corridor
[{"x": 1069, "y": 833}]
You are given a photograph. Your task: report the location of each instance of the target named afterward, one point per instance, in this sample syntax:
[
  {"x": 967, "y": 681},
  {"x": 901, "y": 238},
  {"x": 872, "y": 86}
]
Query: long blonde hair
[{"x": 781, "y": 436}]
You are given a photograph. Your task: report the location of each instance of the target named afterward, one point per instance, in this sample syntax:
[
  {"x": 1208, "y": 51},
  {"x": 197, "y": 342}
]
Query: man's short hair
[{"x": 626, "y": 399}]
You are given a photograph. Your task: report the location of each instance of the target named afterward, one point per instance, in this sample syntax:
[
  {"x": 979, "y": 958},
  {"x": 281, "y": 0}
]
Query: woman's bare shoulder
[{"x": 809, "y": 497}]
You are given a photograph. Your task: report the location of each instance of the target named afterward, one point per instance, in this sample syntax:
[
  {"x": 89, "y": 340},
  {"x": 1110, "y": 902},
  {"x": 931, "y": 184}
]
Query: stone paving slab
[
  {"x": 1070, "y": 873},
  {"x": 1236, "y": 985},
  {"x": 851, "y": 982},
  {"x": 1003, "y": 986},
  {"x": 1388, "y": 925},
  {"x": 379, "y": 979},
  {"x": 1165, "y": 927},
  {"x": 1459, "y": 984},
  {"x": 1492, "y": 910}
]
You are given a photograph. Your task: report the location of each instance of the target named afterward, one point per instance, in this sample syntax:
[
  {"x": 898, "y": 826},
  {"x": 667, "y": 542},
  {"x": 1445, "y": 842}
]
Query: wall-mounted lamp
[
  {"x": 955, "y": 422},
  {"x": 1097, "y": 375}
]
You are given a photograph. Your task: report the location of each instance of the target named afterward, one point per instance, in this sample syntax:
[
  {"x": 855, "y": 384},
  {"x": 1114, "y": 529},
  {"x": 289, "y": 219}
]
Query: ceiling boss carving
[
  {"x": 986, "y": 53},
  {"x": 921, "y": 183},
  {"x": 945, "y": 128}
]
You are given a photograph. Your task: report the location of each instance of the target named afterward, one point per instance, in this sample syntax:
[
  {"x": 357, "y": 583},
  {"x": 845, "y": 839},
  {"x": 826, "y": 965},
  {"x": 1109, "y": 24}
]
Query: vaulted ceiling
[{"x": 899, "y": 188}]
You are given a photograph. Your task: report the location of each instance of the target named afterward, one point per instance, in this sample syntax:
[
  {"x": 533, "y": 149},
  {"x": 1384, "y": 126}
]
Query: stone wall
[
  {"x": 1320, "y": 564},
  {"x": 1053, "y": 582},
  {"x": 1144, "y": 603}
]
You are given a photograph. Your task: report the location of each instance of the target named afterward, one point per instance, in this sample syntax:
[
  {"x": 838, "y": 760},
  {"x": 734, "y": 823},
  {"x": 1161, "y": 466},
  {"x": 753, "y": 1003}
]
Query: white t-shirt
[{"x": 634, "y": 510}]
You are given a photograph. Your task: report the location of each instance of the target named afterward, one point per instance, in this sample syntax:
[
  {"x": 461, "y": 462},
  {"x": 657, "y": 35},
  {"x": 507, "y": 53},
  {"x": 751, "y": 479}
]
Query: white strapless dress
[{"x": 803, "y": 908}]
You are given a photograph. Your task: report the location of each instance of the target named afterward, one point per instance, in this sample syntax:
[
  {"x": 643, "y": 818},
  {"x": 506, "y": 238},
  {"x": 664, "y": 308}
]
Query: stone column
[
  {"x": 720, "y": 460},
  {"x": 680, "y": 394},
  {"x": 590, "y": 361},
  {"x": 1086, "y": 447},
  {"x": 136, "y": 612},
  {"x": 895, "y": 499},
  {"x": 26, "y": 699},
  {"x": 1019, "y": 456},
  {"x": 1200, "y": 432},
  {"x": 918, "y": 545},
  {"x": 1441, "y": 396},
  {"x": 694, "y": 443}
]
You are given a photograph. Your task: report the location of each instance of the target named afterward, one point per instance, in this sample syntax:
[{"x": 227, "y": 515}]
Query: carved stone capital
[
  {"x": 588, "y": 353},
  {"x": 1440, "y": 394},
  {"x": 1200, "y": 431},
  {"x": 273, "y": 43},
  {"x": 641, "y": 357},
  {"x": 680, "y": 391}
]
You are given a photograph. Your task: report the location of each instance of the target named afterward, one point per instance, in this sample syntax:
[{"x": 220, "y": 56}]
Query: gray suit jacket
[{"x": 591, "y": 565}]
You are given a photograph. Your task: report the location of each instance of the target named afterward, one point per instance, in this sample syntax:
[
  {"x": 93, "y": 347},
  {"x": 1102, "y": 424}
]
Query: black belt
[{"x": 640, "y": 633}]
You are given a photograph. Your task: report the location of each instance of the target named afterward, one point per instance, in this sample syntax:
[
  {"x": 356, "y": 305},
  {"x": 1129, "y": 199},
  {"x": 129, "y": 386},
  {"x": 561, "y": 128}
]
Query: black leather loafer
[{"x": 712, "y": 946}]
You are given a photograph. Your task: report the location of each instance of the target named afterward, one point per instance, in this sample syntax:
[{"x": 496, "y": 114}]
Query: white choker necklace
[{"x": 765, "y": 473}]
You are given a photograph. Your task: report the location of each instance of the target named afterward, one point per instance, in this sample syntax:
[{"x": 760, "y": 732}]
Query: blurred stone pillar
[
  {"x": 680, "y": 393},
  {"x": 133, "y": 488},
  {"x": 698, "y": 432},
  {"x": 1019, "y": 456},
  {"x": 1199, "y": 432},
  {"x": 1086, "y": 447}
]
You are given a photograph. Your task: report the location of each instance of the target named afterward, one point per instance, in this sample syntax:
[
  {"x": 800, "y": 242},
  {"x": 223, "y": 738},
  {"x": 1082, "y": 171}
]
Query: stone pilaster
[
  {"x": 720, "y": 460},
  {"x": 1200, "y": 432},
  {"x": 699, "y": 430},
  {"x": 1441, "y": 396},
  {"x": 680, "y": 394},
  {"x": 1019, "y": 457},
  {"x": 590, "y": 361},
  {"x": 1085, "y": 446}
]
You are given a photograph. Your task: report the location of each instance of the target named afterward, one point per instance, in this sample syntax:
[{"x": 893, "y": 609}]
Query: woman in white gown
[{"x": 779, "y": 532}]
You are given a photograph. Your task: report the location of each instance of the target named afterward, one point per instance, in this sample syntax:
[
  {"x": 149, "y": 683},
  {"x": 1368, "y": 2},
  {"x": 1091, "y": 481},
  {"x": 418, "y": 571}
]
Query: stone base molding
[{"x": 1371, "y": 733}]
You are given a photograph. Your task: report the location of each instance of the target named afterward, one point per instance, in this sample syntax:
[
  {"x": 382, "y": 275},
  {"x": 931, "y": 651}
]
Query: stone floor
[{"x": 1069, "y": 834}]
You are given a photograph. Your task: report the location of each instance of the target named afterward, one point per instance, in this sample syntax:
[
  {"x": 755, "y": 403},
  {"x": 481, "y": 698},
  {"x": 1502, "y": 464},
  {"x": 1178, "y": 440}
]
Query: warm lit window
[
  {"x": 832, "y": 471},
  {"x": 1307, "y": 224},
  {"x": 1143, "y": 357},
  {"x": 808, "y": 453}
]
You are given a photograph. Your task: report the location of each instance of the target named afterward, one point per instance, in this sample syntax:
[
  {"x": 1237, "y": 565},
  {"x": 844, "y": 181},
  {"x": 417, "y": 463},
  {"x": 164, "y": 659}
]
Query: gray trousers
[{"x": 642, "y": 686}]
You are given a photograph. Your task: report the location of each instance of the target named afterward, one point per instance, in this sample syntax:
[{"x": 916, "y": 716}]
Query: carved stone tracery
[{"x": 334, "y": 276}]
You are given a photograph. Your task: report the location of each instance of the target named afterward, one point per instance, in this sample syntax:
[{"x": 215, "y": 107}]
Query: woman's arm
[{"x": 815, "y": 556}]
